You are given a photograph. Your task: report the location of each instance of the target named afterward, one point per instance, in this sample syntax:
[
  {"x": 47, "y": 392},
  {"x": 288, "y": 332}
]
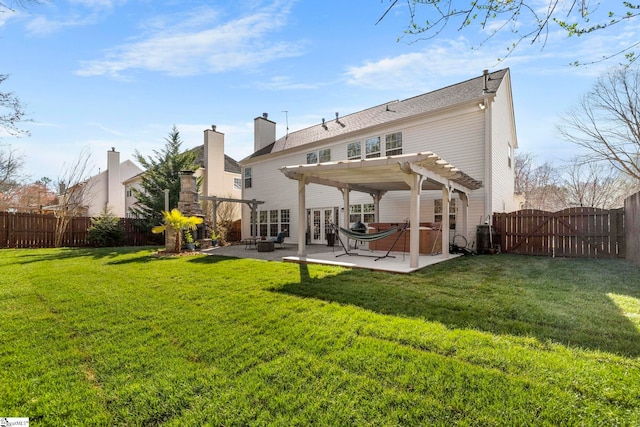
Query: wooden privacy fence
[
  {"x": 573, "y": 232},
  {"x": 25, "y": 230}
]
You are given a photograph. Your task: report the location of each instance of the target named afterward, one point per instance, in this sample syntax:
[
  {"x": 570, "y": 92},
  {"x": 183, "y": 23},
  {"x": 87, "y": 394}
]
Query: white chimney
[
  {"x": 115, "y": 190},
  {"x": 213, "y": 184},
  {"x": 264, "y": 132}
]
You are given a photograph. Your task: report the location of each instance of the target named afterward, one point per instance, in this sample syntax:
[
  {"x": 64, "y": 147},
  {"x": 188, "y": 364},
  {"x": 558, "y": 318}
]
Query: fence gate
[{"x": 573, "y": 232}]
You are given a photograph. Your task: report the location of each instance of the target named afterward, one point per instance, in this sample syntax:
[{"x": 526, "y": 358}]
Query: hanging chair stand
[{"x": 369, "y": 237}]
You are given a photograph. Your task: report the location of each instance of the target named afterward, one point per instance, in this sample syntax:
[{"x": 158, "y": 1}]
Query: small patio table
[{"x": 250, "y": 242}]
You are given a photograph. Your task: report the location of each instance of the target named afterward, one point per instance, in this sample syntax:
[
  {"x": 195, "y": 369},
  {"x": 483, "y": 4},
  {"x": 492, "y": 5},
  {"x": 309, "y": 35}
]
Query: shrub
[{"x": 105, "y": 230}]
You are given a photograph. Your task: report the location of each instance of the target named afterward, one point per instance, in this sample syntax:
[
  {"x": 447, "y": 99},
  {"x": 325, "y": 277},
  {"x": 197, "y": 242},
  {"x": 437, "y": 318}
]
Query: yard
[{"x": 117, "y": 337}]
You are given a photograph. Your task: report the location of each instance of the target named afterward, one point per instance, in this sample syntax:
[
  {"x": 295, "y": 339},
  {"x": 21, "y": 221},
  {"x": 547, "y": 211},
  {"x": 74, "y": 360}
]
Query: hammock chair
[{"x": 369, "y": 237}]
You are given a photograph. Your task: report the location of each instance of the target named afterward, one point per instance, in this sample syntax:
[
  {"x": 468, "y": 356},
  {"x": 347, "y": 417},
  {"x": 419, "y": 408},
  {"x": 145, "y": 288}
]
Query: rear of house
[{"x": 469, "y": 124}]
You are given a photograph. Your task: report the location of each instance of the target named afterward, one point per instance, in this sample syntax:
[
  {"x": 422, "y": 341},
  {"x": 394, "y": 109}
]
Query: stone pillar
[{"x": 188, "y": 203}]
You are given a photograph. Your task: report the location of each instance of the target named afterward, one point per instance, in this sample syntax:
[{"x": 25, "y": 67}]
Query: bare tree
[
  {"x": 74, "y": 193},
  {"x": 11, "y": 162},
  {"x": 607, "y": 121},
  {"x": 529, "y": 20},
  {"x": 226, "y": 213},
  {"x": 12, "y": 112},
  {"x": 537, "y": 183},
  {"x": 28, "y": 197},
  {"x": 589, "y": 184}
]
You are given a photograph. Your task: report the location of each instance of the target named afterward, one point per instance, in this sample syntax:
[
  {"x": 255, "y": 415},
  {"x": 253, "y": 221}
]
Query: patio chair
[{"x": 279, "y": 239}]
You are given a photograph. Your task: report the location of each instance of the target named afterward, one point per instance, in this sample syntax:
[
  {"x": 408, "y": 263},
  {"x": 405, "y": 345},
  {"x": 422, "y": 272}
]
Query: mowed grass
[{"x": 117, "y": 337}]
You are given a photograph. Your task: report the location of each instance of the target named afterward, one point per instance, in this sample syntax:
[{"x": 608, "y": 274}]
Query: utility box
[{"x": 487, "y": 239}]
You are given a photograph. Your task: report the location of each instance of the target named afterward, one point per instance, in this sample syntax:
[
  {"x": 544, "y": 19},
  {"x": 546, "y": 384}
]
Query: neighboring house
[
  {"x": 99, "y": 192},
  {"x": 221, "y": 175},
  {"x": 394, "y": 162},
  {"x": 106, "y": 189}
]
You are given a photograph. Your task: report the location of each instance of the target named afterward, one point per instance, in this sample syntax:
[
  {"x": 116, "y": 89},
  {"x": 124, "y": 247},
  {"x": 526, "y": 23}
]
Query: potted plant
[
  {"x": 188, "y": 238},
  {"x": 215, "y": 237}
]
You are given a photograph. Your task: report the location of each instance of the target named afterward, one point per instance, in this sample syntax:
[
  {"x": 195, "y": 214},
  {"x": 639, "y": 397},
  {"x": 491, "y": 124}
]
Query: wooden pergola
[{"x": 377, "y": 176}]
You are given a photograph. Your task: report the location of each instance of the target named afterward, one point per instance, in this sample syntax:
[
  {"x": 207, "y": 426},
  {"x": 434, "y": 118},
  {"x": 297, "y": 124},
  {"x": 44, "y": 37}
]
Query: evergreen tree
[
  {"x": 162, "y": 171},
  {"x": 106, "y": 231}
]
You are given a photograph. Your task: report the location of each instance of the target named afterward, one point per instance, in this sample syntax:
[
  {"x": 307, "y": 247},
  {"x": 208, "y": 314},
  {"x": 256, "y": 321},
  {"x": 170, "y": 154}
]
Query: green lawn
[{"x": 117, "y": 337}]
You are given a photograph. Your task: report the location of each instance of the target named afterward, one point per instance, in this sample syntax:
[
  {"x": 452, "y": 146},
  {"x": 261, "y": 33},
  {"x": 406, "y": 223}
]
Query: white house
[
  {"x": 221, "y": 175},
  {"x": 450, "y": 150},
  {"x": 106, "y": 189},
  {"x": 113, "y": 187}
]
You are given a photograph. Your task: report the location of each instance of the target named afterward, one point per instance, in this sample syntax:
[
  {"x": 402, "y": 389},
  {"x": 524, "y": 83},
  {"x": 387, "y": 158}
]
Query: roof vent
[
  {"x": 213, "y": 128},
  {"x": 265, "y": 115},
  {"x": 324, "y": 125}
]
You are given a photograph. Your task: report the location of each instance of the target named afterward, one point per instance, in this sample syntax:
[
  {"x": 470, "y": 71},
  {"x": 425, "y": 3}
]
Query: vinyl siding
[
  {"x": 503, "y": 135},
  {"x": 457, "y": 137}
]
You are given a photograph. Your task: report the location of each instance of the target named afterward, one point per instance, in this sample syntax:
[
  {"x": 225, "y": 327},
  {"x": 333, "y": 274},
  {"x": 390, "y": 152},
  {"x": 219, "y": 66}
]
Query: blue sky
[{"x": 121, "y": 73}]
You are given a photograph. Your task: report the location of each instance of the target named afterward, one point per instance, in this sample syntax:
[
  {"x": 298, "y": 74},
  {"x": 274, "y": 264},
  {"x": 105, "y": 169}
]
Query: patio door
[{"x": 320, "y": 223}]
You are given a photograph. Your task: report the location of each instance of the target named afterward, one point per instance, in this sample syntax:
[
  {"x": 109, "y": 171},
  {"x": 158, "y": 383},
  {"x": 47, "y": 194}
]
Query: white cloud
[
  {"x": 284, "y": 83},
  {"x": 457, "y": 58},
  {"x": 190, "y": 49},
  {"x": 106, "y": 129},
  {"x": 82, "y": 13},
  {"x": 42, "y": 26},
  {"x": 97, "y": 4},
  {"x": 418, "y": 70}
]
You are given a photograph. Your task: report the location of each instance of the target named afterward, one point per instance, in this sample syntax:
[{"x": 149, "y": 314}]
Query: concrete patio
[{"x": 321, "y": 254}]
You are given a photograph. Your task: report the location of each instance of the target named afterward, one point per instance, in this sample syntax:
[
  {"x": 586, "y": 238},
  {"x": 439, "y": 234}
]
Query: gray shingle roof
[
  {"x": 388, "y": 112},
  {"x": 230, "y": 165}
]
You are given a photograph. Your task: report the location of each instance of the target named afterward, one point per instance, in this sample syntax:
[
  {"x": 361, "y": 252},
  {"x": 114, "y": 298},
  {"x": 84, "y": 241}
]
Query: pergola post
[
  {"x": 214, "y": 216},
  {"x": 376, "y": 205},
  {"x": 464, "y": 215},
  {"x": 444, "y": 228},
  {"x": 302, "y": 217},
  {"x": 414, "y": 218},
  {"x": 345, "y": 201},
  {"x": 253, "y": 215}
]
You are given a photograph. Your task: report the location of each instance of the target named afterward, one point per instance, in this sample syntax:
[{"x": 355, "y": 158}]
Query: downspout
[{"x": 488, "y": 160}]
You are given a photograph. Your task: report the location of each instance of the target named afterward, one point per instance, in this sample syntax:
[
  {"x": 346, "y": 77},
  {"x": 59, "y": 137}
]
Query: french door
[{"x": 320, "y": 221}]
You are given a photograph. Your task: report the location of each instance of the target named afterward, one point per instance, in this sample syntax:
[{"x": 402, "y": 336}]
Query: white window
[
  {"x": 320, "y": 156},
  {"x": 364, "y": 213},
  {"x": 274, "y": 221},
  {"x": 354, "y": 150},
  {"x": 324, "y": 155},
  {"x": 393, "y": 144},
  {"x": 372, "y": 147},
  {"x": 437, "y": 212},
  {"x": 247, "y": 177},
  {"x": 312, "y": 158},
  {"x": 355, "y": 213},
  {"x": 285, "y": 216},
  {"x": 237, "y": 184}
]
